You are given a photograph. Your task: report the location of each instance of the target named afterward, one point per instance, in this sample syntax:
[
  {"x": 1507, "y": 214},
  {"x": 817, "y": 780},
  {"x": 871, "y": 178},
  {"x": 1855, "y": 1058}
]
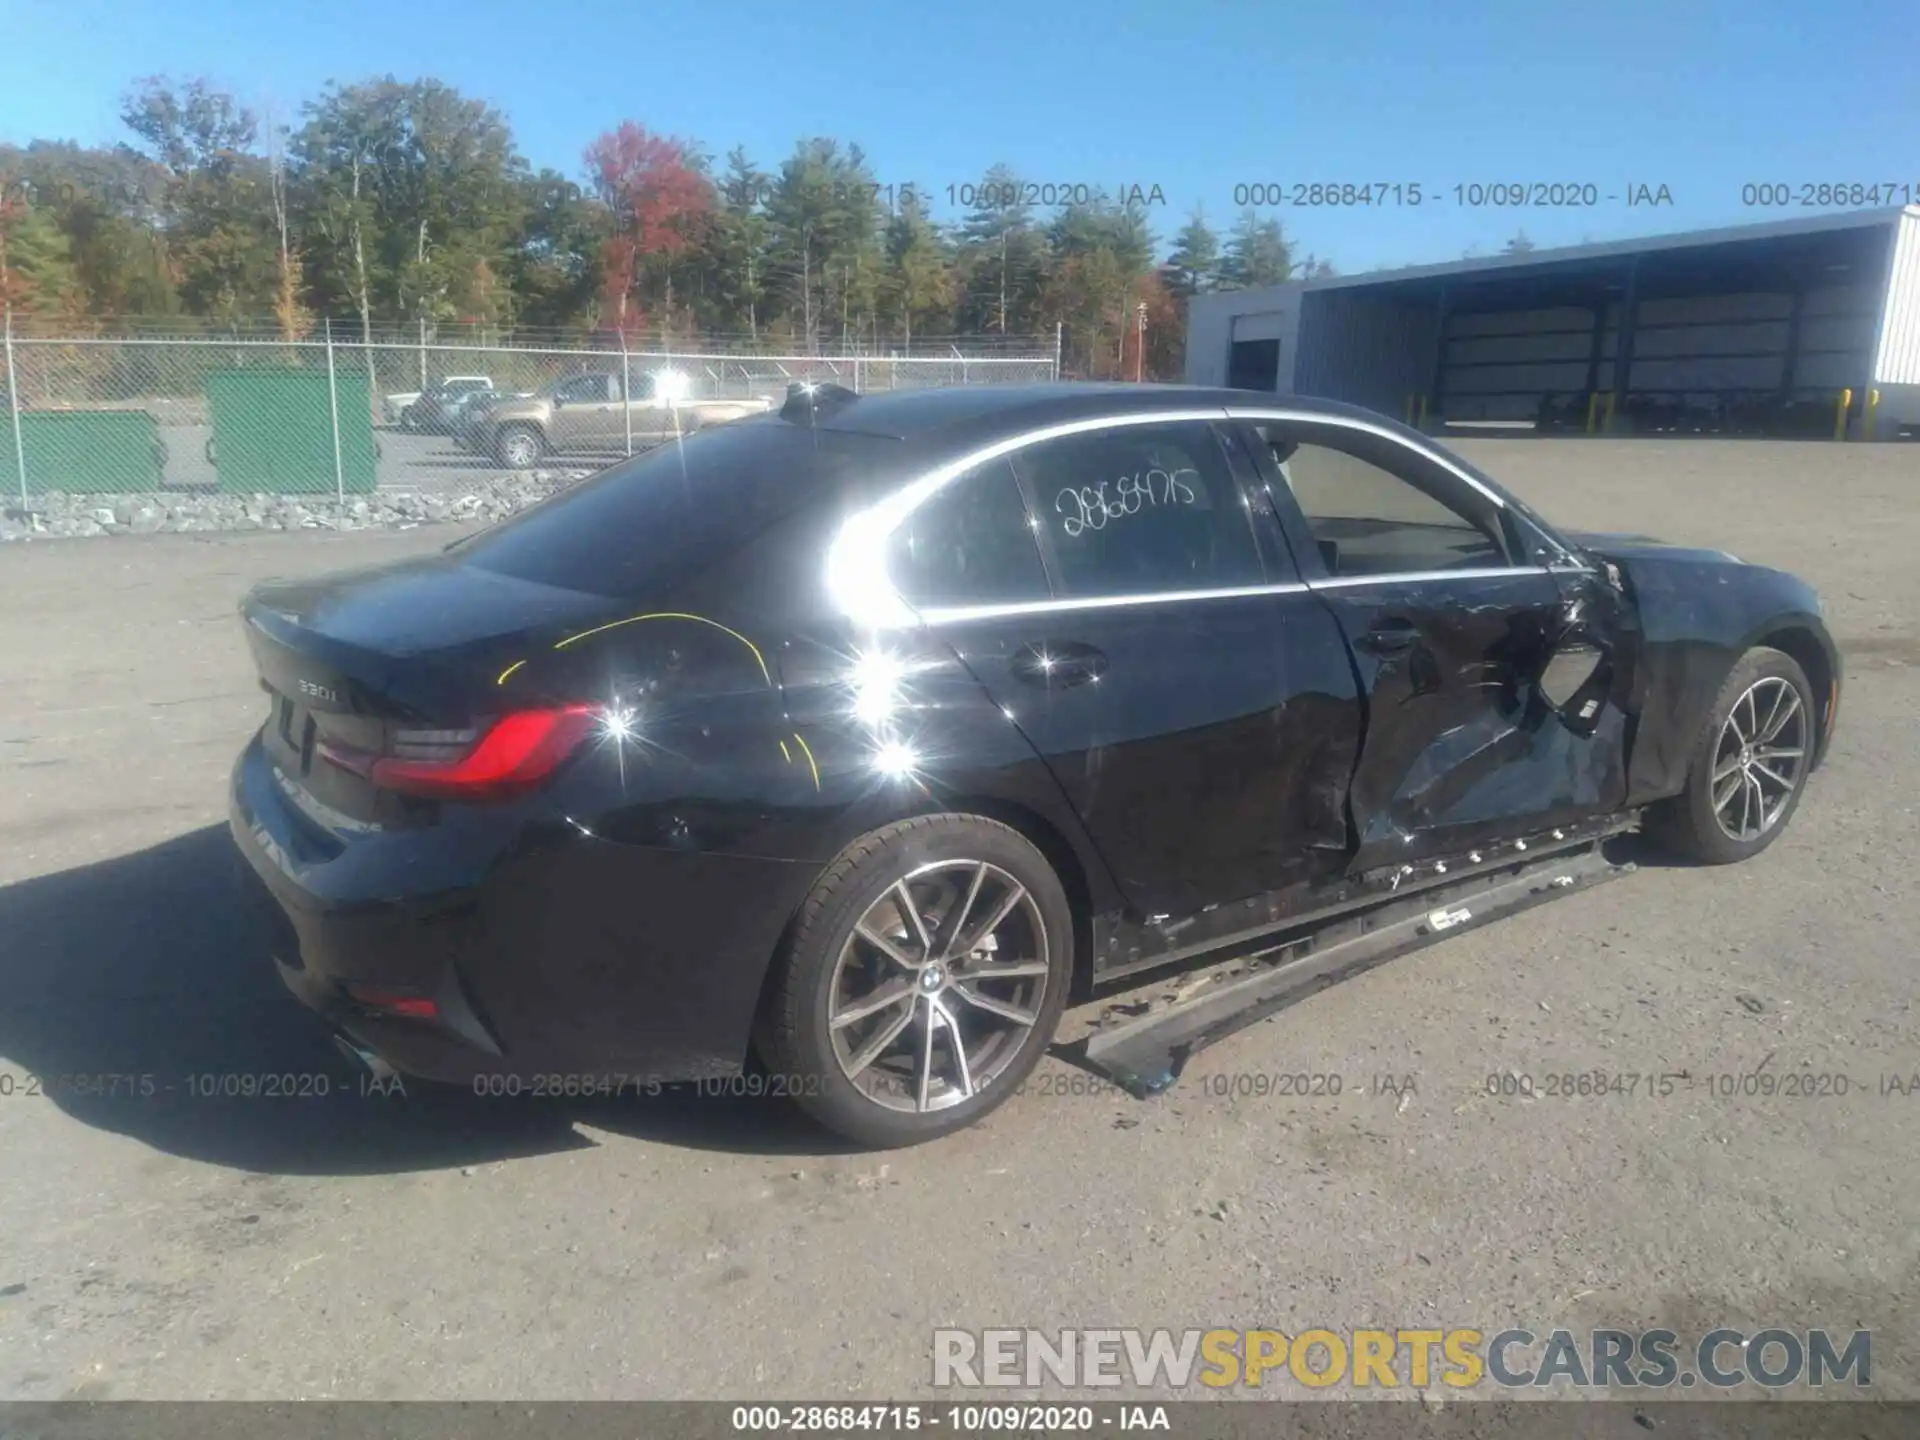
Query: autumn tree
[
  {"x": 406, "y": 204},
  {"x": 1157, "y": 324},
  {"x": 213, "y": 204},
  {"x": 37, "y": 276},
  {"x": 289, "y": 307},
  {"x": 658, "y": 200},
  {"x": 107, "y": 204}
]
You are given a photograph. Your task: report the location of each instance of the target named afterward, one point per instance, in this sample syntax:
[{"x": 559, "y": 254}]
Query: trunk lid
[{"x": 364, "y": 662}]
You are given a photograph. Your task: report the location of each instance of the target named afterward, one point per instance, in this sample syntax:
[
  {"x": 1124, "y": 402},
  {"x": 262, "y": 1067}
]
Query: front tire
[
  {"x": 922, "y": 981},
  {"x": 1749, "y": 764},
  {"x": 518, "y": 447}
]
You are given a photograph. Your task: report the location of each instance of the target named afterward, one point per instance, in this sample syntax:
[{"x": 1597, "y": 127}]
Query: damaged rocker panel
[
  {"x": 1125, "y": 946},
  {"x": 1144, "y": 1054}
]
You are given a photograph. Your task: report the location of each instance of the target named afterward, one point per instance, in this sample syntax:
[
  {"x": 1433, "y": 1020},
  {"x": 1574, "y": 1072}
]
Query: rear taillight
[
  {"x": 517, "y": 750},
  {"x": 394, "y": 1002}
]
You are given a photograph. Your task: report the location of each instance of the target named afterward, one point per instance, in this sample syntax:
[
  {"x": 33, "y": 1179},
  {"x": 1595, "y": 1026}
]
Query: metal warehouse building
[{"x": 1799, "y": 327}]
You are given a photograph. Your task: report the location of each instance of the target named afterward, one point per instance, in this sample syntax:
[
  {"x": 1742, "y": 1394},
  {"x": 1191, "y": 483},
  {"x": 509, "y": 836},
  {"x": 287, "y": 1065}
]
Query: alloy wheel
[
  {"x": 521, "y": 450},
  {"x": 1760, "y": 758},
  {"x": 938, "y": 986}
]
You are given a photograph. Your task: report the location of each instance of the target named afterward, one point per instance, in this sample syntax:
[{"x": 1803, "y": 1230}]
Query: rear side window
[
  {"x": 677, "y": 507},
  {"x": 1140, "y": 509},
  {"x": 971, "y": 544}
]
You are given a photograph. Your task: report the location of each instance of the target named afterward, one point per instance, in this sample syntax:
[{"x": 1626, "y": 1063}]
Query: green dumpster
[
  {"x": 83, "y": 452},
  {"x": 273, "y": 432}
]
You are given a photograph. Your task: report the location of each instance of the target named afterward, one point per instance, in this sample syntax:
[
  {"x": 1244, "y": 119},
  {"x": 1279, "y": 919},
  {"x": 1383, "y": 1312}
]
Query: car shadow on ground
[
  {"x": 136, "y": 994},
  {"x": 1639, "y": 850}
]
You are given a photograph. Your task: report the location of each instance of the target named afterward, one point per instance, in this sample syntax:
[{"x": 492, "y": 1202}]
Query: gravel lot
[{"x": 440, "y": 1246}]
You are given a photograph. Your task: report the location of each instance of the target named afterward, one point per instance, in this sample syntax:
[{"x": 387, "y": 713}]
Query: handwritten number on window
[{"x": 1090, "y": 507}]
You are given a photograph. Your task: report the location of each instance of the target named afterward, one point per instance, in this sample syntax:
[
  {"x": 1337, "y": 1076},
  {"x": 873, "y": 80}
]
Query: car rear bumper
[{"x": 545, "y": 952}]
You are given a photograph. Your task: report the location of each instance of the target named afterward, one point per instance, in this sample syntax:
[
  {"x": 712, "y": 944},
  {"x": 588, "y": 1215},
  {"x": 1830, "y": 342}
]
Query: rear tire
[
  {"x": 1748, "y": 766},
  {"x": 977, "y": 982}
]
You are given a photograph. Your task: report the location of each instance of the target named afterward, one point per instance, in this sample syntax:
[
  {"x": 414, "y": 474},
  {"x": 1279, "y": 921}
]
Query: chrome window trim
[
  {"x": 857, "y": 576},
  {"x": 950, "y": 614},
  {"x": 954, "y": 614},
  {"x": 1347, "y": 422},
  {"x": 1409, "y": 577}
]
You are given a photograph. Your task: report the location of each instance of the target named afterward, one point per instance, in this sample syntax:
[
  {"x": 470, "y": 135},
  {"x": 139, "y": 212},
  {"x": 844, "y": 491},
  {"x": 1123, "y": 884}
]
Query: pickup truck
[
  {"x": 586, "y": 414},
  {"x": 394, "y": 407}
]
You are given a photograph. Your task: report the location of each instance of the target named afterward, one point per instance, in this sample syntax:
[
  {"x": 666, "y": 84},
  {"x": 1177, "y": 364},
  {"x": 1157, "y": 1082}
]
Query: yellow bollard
[
  {"x": 1423, "y": 414},
  {"x": 1840, "y": 414},
  {"x": 1593, "y": 411},
  {"x": 1871, "y": 428},
  {"x": 1406, "y": 411}
]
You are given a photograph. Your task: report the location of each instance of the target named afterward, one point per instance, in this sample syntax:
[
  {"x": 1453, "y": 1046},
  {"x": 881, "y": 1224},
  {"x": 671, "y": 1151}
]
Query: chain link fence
[{"x": 85, "y": 416}]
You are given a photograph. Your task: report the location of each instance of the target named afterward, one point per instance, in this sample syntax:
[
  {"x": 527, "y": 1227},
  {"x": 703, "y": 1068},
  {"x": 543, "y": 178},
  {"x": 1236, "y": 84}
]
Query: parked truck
[
  {"x": 587, "y": 414},
  {"x": 394, "y": 408}
]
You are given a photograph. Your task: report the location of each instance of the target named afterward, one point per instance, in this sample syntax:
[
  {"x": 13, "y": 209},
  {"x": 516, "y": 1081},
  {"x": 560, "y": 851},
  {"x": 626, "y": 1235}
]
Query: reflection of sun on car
[
  {"x": 850, "y": 740},
  {"x": 437, "y": 411},
  {"x": 587, "y": 414}
]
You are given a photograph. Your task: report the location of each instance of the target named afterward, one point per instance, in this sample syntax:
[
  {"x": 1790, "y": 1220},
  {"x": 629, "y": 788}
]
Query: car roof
[
  {"x": 942, "y": 424},
  {"x": 979, "y": 414}
]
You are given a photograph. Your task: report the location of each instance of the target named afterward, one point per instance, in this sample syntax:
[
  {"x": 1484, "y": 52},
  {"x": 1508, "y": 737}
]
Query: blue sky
[{"x": 1194, "y": 97}]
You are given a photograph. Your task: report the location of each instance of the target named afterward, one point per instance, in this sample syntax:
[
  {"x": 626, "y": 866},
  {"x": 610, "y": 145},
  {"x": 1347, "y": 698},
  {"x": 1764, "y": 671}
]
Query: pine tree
[
  {"x": 1194, "y": 266},
  {"x": 1258, "y": 254}
]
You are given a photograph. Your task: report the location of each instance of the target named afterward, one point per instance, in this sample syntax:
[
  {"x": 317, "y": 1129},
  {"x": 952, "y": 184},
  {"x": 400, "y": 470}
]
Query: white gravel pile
[{"x": 59, "y": 516}]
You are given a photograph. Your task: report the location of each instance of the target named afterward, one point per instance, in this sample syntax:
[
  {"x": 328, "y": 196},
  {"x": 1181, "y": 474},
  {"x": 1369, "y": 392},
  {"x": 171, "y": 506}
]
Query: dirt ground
[{"x": 439, "y": 1246}]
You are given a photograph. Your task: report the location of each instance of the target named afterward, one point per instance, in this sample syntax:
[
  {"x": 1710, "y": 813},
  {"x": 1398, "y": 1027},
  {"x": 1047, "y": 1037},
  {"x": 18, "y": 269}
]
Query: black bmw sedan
[{"x": 849, "y": 741}]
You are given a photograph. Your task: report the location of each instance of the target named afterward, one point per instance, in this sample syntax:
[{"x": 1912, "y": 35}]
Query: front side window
[
  {"x": 1142, "y": 509},
  {"x": 1368, "y": 519},
  {"x": 970, "y": 544}
]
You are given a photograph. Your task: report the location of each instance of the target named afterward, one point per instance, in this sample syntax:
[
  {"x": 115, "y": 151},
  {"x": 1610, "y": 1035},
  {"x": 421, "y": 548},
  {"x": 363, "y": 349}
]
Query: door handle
[
  {"x": 1389, "y": 636},
  {"x": 1058, "y": 665}
]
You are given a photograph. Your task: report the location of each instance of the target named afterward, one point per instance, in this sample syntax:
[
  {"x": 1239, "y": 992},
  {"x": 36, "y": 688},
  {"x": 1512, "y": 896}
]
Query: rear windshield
[{"x": 677, "y": 507}]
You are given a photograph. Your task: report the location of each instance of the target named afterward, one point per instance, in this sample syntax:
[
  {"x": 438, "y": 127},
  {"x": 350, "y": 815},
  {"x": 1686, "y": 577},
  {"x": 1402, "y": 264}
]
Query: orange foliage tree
[{"x": 659, "y": 202}]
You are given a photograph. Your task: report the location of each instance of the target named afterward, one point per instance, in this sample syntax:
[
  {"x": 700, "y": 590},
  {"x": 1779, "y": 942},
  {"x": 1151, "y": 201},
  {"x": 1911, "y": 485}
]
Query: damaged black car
[{"x": 844, "y": 745}]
